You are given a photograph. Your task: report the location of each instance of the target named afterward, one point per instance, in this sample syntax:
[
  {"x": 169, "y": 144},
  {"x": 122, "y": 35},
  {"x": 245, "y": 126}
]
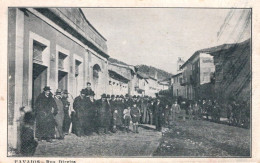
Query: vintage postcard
[{"x": 129, "y": 82}]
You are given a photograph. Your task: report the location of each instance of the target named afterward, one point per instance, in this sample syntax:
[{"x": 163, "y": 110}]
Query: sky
[{"x": 158, "y": 36}]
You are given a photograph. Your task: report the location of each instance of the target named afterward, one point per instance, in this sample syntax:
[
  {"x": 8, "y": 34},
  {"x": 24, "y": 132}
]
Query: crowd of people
[
  {"x": 58, "y": 115},
  {"x": 233, "y": 112}
]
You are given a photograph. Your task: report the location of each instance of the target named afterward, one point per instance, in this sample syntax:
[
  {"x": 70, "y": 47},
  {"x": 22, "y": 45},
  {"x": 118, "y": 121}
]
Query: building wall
[
  {"x": 196, "y": 73},
  {"x": 25, "y": 31},
  {"x": 75, "y": 16},
  {"x": 132, "y": 83},
  {"x": 187, "y": 73},
  {"x": 178, "y": 90},
  {"x": 233, "y": 75},
  {"x": 35, "y": 26},
  {"x": 98, "y": 85},
  {"x": 140, "y": 84},
  {"x": 119, "y": 86},
  {"x": 207, "y": 67},
  {"x": 152, "y": 87}
]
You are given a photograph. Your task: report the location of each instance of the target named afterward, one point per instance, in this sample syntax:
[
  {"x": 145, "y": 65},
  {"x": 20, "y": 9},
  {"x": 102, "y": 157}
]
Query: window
[
  {"x": 77, "y": 63},
  {"x": 180, "y": 80},
  {"x": 205, "y": 76},
  {"x": 61, "y": 60},
  {"x": 38, "y": 49},
  {"x": 96, "y": 70},
  {"x": 95, "y": 74}
]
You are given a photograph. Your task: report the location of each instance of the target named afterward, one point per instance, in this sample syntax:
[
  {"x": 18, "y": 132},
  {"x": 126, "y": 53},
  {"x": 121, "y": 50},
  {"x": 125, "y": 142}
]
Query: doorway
[{"x": 39, "y": 80}]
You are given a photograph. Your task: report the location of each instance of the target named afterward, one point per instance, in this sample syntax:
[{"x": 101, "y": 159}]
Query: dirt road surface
[
  {"x": 114, "y": 145},
  {"x": 204, "y": 139}
]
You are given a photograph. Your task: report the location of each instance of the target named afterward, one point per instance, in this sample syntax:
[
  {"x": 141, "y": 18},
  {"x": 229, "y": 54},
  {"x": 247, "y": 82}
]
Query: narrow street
[
  {"x": 190, "y": 138},
  {"x": 119, "y": 144},
  {"x": 96, "y": 68}
]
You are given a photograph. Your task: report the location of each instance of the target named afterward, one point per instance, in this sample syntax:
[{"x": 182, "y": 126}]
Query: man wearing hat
[
  {"x": 79, "y": 105},
  {"x": 108, "y": 98},
  {"x": 45, "y": 109},
  {"x": 113, "y": 103},
  {"x": 158, "y": 113},
  {"x": 135, "y": 115},
  {"x": 121, "y": 109},
  {"x": 88, "y": 90},
  {"x": 117, "y": 114},
  {"x": 113, "y": 107},
  {"x": 176, "y": 109},
  {"x": 91, "y": 115},
  {"x": 127, "y": 101},
  {"x": 104, "y": 115},
  {"x": 144, "y": 110},
  {"x": 134, "y": 98},
  {"x": 59, "y": 117},
  {"x": 67, "y": 109},
  {"x": 150, "y": 108}
]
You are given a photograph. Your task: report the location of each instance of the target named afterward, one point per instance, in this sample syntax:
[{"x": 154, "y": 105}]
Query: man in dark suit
[
  {"x": 79, "y": 105},
  {"x": 104, "y": 115},
  {"x": 91, "y": 115},
  {"x": 45, "y": 110},
  {"x": 158, "y": 113}
]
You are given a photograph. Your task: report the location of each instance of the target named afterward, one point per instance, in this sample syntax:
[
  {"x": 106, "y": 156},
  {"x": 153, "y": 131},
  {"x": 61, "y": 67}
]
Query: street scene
[{"x": 129, "y": 82}]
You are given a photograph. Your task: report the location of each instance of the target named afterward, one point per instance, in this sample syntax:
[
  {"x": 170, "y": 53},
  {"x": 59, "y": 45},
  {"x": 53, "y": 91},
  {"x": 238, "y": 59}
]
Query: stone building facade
[
  {"x": 54, "y": 47},
  {"x": 119, "y": 79},
  {"x": 196, "y": 72},
  {"x": 177, "y": 88}
]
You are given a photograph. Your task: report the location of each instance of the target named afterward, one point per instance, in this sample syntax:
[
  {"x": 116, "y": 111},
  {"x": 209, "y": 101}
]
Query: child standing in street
[
  {"x": 28, "y": 144},
  {"x": 135, "y": 114},
  {"x": 127, "y": 118}
]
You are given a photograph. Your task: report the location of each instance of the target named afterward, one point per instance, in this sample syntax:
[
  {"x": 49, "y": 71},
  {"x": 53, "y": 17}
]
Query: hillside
[
  {"x": 151, "y": 71},
  {"x": 146, "y": 70}
]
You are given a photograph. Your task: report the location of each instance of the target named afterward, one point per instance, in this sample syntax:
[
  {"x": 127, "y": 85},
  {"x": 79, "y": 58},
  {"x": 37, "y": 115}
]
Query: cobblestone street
[{"x": 119, "y": 144}]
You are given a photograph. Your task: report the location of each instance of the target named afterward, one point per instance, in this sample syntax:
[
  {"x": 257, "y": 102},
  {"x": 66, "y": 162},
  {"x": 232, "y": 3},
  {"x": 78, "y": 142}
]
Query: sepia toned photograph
[{"x": 129, "y": 82}]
